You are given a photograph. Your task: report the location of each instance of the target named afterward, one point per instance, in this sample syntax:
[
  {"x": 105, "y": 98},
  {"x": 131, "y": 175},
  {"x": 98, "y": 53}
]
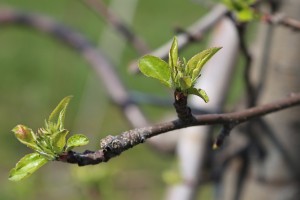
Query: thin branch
[
  {"x": 250, "y": 89},
  {"x": 99, "y": 7},
  {"x": 225, "y": 131},
  {"x": 264, "y": 59},
  {"x": 112, "y": 146},
  {"x": 242, "y": 174},
  {"x": 281, "y": 19}
]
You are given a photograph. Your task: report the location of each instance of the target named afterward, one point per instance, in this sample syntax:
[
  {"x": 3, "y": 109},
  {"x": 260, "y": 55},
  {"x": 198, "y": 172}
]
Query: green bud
[{"x": 24, "y": 134}]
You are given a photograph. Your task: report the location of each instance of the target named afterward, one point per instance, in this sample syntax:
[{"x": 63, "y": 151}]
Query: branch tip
[{"x": 225, "y": 131}]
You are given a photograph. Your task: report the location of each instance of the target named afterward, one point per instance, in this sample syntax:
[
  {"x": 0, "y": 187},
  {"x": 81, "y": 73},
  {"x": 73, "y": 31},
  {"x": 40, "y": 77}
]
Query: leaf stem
[{"x": 183, "y": 111}]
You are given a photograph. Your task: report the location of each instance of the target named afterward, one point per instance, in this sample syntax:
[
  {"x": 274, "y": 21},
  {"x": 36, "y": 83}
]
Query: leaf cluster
[
  {"x": 242, "y": 9},
  {"x": 48, "y": 142},
  {"x": 179, "y": 74}
]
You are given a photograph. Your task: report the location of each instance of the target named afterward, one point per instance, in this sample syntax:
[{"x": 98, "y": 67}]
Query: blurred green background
[{"x": 36, "y": 72}]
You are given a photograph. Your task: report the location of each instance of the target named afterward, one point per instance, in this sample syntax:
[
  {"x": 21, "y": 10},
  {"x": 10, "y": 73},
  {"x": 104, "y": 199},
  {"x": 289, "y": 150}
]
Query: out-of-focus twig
[
  {"x": 194, "y": 31},
  {"x": 99, "y": 7},
  {"x": 264, "y": 59},
  {"x": 281, "y": 19},
  {"x": 223, "y": 134},
  {"x": 250, "y": 89},
  {"x": 103, "y": 68}
]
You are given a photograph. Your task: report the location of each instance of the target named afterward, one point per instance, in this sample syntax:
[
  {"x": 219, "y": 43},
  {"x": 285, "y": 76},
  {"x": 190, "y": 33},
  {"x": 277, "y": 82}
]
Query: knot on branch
[
  {"x": 86, "y": 158},
  {"x": 183, "y": 111},
  {"x": 111, "y": 146},
  {"x": 115, "y": 145}
]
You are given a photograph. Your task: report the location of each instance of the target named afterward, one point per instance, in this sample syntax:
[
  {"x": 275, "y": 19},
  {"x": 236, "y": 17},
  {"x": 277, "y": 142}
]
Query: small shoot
[
  {"x": 48, "y": 142},
  {"x": 179, "y": 74}
]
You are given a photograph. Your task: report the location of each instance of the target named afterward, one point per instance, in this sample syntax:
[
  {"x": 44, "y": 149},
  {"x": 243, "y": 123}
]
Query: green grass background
[{"x": 36, "y": 72}]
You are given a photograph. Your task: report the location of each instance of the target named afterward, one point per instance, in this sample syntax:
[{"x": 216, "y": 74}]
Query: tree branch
[
  {"x": 281, "y": 19},
  {"x": 112, "y": 146},
  {"x": 250, "y": 89}
]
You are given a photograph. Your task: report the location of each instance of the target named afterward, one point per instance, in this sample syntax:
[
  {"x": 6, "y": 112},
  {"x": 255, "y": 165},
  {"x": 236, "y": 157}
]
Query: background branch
[
  {"x": 281, "y": 19},
  {"x": 194, "y": 31},
  {"x": 250, "y": 90},
  {"x": 99, "y": 7},
  {"x": 103, "y": 68}
]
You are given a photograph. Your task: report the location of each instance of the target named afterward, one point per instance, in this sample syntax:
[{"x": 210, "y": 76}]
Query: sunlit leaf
[
  {"x": 76, "y": 141},
  {"x": 155, "y": 67},
  {"x": 58, "y": 114},
  {"x": 26, "y": 166},
  {"x": 173, "y": 53},
  {"x": 200, "y": 93},
  {"x": 196, "y": 63}
]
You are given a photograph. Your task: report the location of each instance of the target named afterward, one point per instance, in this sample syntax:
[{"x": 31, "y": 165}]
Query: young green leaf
[
  {"x": 58, "y": 140},
  {"x": 173, "y": 53},
  {"x": 58, "y": 114},
  {"x": 46, "y": 149},
  {"x": 26, "y": 136},
  {"x": 185, "y": 82},
  {"x": 76, "y": 141},
  {"x": 196, "y": 63},
  {"x": 26, "y": 166},
  {"x": 199, "y": 92},
  {"x": 155, "y": 67}
]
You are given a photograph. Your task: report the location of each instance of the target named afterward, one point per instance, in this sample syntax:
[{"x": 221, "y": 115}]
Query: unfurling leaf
[
  {"x": 58, "y": 140},
  {"x": 200, "y": 93},
  {"x": 26, "y": 136},
  {"x": 26, "y": 166},
  {"x": 185, "y": 83},
  {"x": 173, "y": 53},
  {"x": 156, "y": 68},
  {"x": 76, "y": 141},
  {"x": 58, "y": 114},
  {"x": 196, "y": 63}
]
